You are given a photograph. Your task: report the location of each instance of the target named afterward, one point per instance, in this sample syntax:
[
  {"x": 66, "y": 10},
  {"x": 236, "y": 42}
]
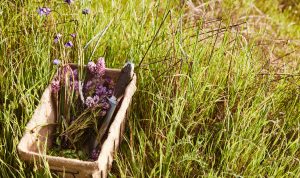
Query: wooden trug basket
[{"x": 39, "y": 130}]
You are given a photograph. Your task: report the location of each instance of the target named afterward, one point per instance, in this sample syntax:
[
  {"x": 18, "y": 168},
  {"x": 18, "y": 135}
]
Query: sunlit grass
[{"x": 210, "y": 105}]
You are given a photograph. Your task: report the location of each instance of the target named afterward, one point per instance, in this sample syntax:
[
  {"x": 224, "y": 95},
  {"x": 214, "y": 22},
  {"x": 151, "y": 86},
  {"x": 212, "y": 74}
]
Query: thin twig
[
  {"x": 215, "y": 42},
  {"x": 154, "y": 38},
  {"x": 186, "y": 28},
  {"x": 169, "y": 69},
  {"x": 285, "y": 55},
  {"x": 217, "y": 29},
  {"x": 280, "y": 74}
]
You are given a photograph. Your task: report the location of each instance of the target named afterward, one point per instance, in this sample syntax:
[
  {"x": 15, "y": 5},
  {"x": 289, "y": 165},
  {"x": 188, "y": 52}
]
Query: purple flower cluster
[
  {"x": 56, "y": 61},
  {"x": 85, "y": 11},
  {"x": 95, "y": 154},
  {"x": 69, "y": 1},
  {"x": 97, "y": 69},
  {"x": 57, "y": 37},
  {"x": 60, "y": 79},
  {"x": 69, "y": 44},
  {"x": 43, "y": 11},
  {"x": 98, "y": 99},
  {"x": 91, "y": 101},
  {"x": 92, "y": 67},
  {"x": 77, "y": 96},
  {"x": 97, "y": 88},
  {"x": 100, "y": 94},
  {"x": 101, "y": 90},
  {"x": 75, "y": 85},
  {"x": 93, "y": 97},
  {"x": 55, "y": 86}
]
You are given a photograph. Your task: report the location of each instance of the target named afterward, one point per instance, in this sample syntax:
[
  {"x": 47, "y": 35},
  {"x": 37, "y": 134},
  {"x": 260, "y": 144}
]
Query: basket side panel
[
  {"x": 115, "y": 134},
  {"x": 39, "y": 127}
]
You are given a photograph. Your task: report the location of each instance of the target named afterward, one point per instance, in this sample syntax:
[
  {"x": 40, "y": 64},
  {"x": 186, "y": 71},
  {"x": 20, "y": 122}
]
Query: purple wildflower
[
  {"x": 75, "y": 73},
  {"x": 56, "y": 61},
  {"x": 92, "y": 101},
  {"x": 43, "y": 11},
  {"x": 55, "y": 86},
  {"x": 85, "y": 11},
  {"x": 95, "y": 154},
  {"x": 92, "y": 67},
  {"x": 75, "y": 84},
  {"x": 105, "y": 106},
  {"x": 100, "y": 67},
  {"x": 69, "y": 44},
  {"x": 88, "y": 85},
  {"x": 57, "y": 37},
  {"x": 101, "y": 90},
  {"x": 97, "y": 69},
  {"x": 96, "y": 99},
  {"x": 89, "y": 102},
  {"x": 69, "y": 1},
  {"x": 73, "y": 35}
]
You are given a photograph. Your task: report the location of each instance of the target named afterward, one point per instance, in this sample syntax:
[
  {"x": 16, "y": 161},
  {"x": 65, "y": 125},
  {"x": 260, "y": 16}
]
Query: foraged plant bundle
[{"x": 80, "y": 107}]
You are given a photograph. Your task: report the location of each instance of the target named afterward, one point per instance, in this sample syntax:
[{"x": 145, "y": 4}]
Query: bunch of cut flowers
[{"x": 80, "y": 97}]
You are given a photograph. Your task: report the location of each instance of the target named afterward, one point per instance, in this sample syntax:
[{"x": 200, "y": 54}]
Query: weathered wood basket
[{"x": 39, "y": 130}]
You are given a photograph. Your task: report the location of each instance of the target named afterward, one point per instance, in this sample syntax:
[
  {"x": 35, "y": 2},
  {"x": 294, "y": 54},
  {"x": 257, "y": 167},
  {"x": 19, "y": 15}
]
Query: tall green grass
[{"x": 208, "y": 104}]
